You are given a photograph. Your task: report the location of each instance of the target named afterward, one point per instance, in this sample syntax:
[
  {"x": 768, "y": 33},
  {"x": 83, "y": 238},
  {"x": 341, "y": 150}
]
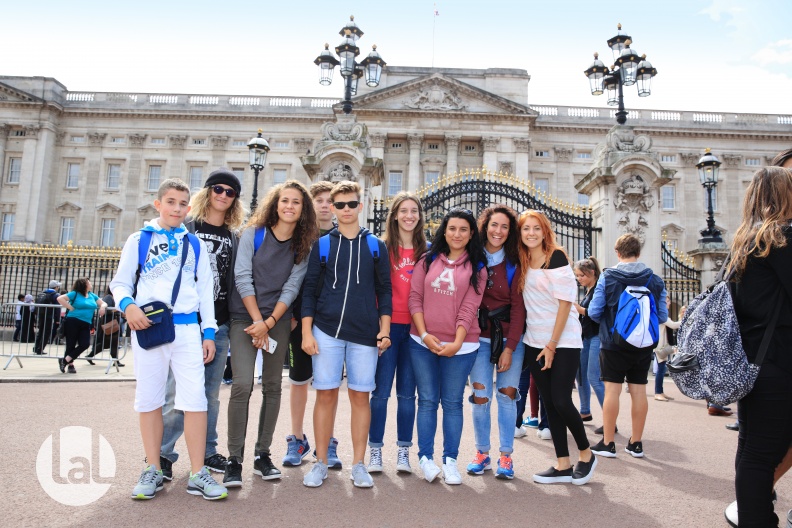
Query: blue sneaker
[
  {"x": 480, "y": 464},
  {"x": 296, "y": 450},
  {"x": 533, "y": 423},
  {"x": 505, "y": 468},
  {"x": 333, "y": 462}
]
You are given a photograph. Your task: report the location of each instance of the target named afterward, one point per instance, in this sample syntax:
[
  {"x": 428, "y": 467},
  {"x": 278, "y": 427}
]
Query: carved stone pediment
[
  {"x": 343, "y": 130},
  {"x": 68, "y": 207},
  {"x": 633, "y": 200},
  {"x": 9, "y": 94},
  {"x": 624, "y": 139},
  {"x": 108, "y": 208},
  {"x": 439, "y": 92}
]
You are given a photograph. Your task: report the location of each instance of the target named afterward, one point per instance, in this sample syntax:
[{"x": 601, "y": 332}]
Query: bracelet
[
  {"x": 554, "y": 341},
  {"x": 258, "y": 321},
  {"x": 268, "y": 326},
  {"x": 383, "y": 337},
  {"x": 550, "y": 349},
  {"x": 423, "y": 336},
  {"x": 273, "y": 318}
]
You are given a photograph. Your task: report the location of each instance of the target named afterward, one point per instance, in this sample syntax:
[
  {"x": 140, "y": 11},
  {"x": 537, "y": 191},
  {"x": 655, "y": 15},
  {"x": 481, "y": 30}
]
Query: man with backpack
[
  {"x": 46, "y": 317},
  {"x": 629, "y": 302}
]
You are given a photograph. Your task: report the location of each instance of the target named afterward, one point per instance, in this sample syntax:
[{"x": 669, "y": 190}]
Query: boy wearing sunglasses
[
  {"x": 346, "y": 315},
  {"x": 216, "y": 215}
]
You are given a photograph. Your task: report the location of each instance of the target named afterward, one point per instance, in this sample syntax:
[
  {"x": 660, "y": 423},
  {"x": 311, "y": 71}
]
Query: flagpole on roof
[{"x": 434, "y": 21}]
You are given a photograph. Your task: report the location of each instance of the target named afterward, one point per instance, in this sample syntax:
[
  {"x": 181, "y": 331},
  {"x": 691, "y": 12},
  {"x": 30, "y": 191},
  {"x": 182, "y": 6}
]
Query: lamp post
[
  {"x": 258, "y": 158},
  {"x": 351, "y": 71},
  {"x": 629, "y": 68},
  {"x": 708, "y": 175}
]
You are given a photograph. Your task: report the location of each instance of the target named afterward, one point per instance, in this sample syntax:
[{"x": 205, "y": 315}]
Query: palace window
[
  {"x": 14, "y": 170},
  {"x": 157, "y": 141},
  {"x": 278, "y": 175},
  {"x": 584, "y": 155},
  {"x": 113, "y": 176},
  {"x": 239, "y": 173},
  {"x": 542, "y": 185},
  {"x": 154, "y": 175},
  {"x": 280, "y": 144},
  {"x": 199, "y": 141},
  {"x": 668, "y": 196},
  {"x": 431, "y": 177},
  {"x": 582, "y": 199},
  {"x": 394, "y": 183},
  {"x": 196, "y": 178},
  {"x": 541, "y": 153},
  {"x": 239, "y": 143},
  {"x": 72, "y": 175},
  {"x": 78, "y": 139},
  {"x": 668, "y": 158},
  {"x": 108, "y": 232},
  {"x": 752, "y": 162},
  {"x": 118, "y": 140},
  {"x": 7, "y": 228},
  {"x": 433, "y": 146},
  {"x": 66, "y": 230}
]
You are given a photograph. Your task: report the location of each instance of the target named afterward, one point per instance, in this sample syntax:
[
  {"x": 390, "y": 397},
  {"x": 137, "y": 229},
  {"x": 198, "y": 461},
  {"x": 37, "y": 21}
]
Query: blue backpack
[{"x": 635, "y": 327}]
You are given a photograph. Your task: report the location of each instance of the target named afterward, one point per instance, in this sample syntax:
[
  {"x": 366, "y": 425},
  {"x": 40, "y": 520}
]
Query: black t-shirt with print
[{"x": 219, "y": 246}]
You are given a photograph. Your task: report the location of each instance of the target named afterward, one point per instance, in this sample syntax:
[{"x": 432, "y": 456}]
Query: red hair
[{"x": 549, "y": 243}]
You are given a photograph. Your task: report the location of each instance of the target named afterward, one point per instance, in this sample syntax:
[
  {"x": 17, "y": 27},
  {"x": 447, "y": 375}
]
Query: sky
[{"x": 711, "y": 55}]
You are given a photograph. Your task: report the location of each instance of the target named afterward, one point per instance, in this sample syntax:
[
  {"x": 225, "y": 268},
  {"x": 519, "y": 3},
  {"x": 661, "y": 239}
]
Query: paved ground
[{"x": 685, "y": 480}]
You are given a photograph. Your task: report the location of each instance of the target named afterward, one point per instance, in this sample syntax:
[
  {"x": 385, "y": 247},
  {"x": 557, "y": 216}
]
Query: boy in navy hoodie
[{"x": 346, "y": 315}]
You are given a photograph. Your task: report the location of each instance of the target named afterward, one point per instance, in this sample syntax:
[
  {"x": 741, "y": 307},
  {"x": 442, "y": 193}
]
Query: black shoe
[
  {"x": 167, "y": 468},
  {"x": 733, "y": 426},
  {"x": 635, "y": 449},
  {"x": 233, "y": 474},
  {"x": 216, "y": 463},
  {"x": 603, "y": 449},
  {"x": 584, "y": 471},
  {"x": 264, "y": 467},
  {"x": 554, "y": 476},
  {"x": 599, "y": 430},
  {"x": 120, "y": 364},
  {"x": 72, "y": 370},
  {"x": 61, "y": 365},
  {"x": 91, "y": 362},
  {"x": 586, "y": 418}
]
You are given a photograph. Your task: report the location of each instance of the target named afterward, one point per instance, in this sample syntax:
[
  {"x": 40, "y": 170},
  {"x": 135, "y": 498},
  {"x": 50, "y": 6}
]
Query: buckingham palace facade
[{"x": 85, "y": 166}]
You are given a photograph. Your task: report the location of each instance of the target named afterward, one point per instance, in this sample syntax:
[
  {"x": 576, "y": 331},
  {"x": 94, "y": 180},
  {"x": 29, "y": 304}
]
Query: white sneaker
[
  {"x": 403, "y": 460},
  {"x": 375, "y": 460},
  {"x": 519, "y": 432},
  {"x": 429, "y": 469},
  {"x": 544, "y": 434},
  {"x": 451, "y": 473}
]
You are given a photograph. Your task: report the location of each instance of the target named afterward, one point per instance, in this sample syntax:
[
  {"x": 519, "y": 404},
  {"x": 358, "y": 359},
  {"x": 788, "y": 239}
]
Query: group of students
[{"x": 487, "y": 299}]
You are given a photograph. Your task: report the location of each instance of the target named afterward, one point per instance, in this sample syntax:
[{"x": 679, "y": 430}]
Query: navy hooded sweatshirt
[{"x": 353, "y": 297}]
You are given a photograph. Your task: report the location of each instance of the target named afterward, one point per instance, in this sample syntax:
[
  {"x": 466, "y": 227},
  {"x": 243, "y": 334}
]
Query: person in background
[
  {"x": 81, "y": 304},
  {"x": 107, "y": 341},
  {"x": 18, "y": 316},
  {"x": 587, "y": 272},
  {"x": 665, "y": 349},
  {"x": 28, "y": 328},
  {"x": 47, "y": 316}
]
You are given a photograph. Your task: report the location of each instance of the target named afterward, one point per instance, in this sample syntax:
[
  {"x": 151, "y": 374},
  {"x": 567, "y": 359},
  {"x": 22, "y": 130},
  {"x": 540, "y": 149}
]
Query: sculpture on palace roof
[{"x": 435, "y": 98}]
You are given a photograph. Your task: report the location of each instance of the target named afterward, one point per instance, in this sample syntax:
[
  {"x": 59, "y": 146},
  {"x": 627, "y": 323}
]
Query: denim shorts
[{"x": 328, "y": 364}]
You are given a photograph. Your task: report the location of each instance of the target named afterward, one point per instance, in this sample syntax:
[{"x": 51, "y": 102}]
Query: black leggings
[
  {"x": 555, "y": 387},
  {"x": 78, "y": 337},
  {"x": 765, "y": 417}
]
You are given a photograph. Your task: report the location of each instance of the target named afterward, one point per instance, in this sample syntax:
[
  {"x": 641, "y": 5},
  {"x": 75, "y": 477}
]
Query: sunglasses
[
  {"x": 352, "y": 204},
  {"x": 219, "y": 189}
]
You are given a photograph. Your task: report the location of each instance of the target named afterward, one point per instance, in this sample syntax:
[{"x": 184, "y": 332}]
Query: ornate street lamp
[
  {"x": 708, "y": 167},
  {"x": 258, "y": 158},
  {"x": 629, "y": 68},
  {"x": 351, "y": 71}
]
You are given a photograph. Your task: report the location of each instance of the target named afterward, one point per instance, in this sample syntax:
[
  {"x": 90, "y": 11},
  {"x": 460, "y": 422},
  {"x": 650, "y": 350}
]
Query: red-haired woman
[{"x": 553, "y": 342}]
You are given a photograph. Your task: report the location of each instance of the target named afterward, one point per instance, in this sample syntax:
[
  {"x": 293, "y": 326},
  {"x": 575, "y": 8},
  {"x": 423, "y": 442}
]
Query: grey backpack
[{"x": 711, "y": 363}]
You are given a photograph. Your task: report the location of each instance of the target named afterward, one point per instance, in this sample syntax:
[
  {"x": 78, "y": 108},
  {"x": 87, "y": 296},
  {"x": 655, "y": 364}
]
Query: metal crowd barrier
[{"x": 36, "y": 335}]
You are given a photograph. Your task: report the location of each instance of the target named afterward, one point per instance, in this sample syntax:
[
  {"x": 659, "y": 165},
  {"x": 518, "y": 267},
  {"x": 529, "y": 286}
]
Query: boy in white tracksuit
[{"x": 186, "y": 355}]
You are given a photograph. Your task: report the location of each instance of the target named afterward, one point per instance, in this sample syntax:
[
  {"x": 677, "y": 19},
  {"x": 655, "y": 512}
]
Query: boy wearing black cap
[{"x": 216, "y": 215}]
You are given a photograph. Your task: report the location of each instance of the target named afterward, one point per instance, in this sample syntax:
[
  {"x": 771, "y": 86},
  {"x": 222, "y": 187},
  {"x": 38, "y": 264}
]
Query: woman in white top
[{"x": 553, "y": 342}]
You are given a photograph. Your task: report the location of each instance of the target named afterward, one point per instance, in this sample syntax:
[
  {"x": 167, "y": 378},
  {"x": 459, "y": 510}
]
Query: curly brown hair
[
  {"x": 305, "y": 233},
  {"x": 512, "y": 239}
]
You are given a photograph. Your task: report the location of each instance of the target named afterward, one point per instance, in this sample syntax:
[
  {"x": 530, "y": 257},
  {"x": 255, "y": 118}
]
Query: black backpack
[{"x": 46, "y": 297}]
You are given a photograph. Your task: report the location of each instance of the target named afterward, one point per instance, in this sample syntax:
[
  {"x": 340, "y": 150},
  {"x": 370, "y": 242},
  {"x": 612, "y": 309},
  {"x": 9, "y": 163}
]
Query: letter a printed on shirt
[{"x": 447, "y": 277}]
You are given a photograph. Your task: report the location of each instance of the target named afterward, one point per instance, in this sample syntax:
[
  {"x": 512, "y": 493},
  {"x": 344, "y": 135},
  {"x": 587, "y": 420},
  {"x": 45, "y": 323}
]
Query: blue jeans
[
  {"x": 590, "y": 374},
  {"x": 661, "y": 370},
  {"x": 173, "y": 419},
  {"x": 394, "y": 362},
  {"x": 439, "y": 380},
  {"x": 507, "y": 407}
]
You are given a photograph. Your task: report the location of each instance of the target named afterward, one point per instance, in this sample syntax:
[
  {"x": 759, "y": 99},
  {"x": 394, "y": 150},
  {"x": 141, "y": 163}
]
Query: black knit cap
[{"x": 225, "y": 177}]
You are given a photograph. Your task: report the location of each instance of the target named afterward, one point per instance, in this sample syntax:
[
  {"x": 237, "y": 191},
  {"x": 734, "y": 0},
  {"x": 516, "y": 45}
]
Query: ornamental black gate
[
  {"x": 476, "y": 190},
  {"x": 682, "y": 280}
]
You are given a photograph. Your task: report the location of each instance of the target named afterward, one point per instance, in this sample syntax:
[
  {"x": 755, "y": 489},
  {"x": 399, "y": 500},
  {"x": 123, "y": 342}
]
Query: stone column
[
  {"x": 452, "y": 152},
  {"x": 490, "y": 159},
  {"x": 30, "y": 187},
  {"x": 522, "y": 147},
  {"x": 564, "y": 180},
  {"x": 414, "y": 174},
  {"x": 377, "y": 152},
  {"x": 218, "y": 152},
  {"x": 134, "y": 197},
  {"x": 90, "y": 185},
  {"x": 176, "y": 160},
  {"x": 3, "y": 136}
]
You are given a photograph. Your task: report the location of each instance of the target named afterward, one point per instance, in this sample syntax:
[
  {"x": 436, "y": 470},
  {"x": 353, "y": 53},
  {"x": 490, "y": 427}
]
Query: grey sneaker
[
  {"x": 149, "y": 483},
  {"x": 403, "y": 460},
  {"x": 375, "y": 460},
  {"x": 202, "y": 483},
  {"x": 360, "y": 476},
  {"x": 316, "y": 476}
]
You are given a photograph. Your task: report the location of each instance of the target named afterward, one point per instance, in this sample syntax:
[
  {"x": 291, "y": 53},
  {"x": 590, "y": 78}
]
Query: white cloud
[
  {"x": 778, "y": 52},
  {"x": 719, "y": 8}
]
